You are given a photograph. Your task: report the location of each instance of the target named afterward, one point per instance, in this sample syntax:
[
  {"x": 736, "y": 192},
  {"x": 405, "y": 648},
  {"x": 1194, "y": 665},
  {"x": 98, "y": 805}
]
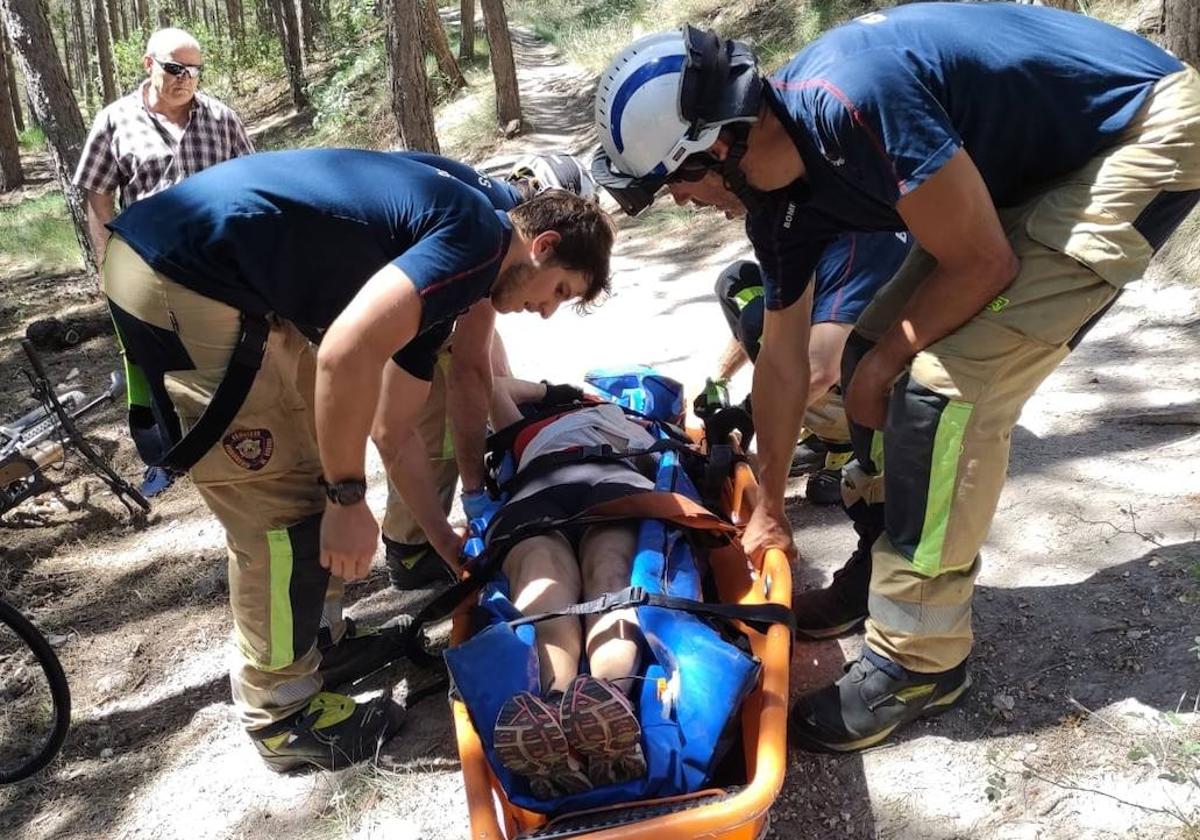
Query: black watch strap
[{"x": 348, "y": 492}]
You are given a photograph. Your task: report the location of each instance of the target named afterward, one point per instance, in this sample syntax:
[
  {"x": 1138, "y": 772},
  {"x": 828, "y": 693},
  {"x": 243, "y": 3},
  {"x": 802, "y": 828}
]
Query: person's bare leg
[
  {"x": 543, "y": 575},
  {"x": 612, "y": 638}
]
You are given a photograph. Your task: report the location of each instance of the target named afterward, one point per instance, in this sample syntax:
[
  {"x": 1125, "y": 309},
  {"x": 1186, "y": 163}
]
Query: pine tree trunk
[
  {"x": 308, "y": 25},
  {"x": 13, "y": 95},
  {"x": 1181, "y": 29},
  {"x": 68, "y": 60},
  {"x": 289, "y": 34},
  {"x": 113, "y": 15},
  {"x": 433, "y": 35},
  {"x": 233, "y": 11},
  {"x": 54, "y": 106},
  {"x": 104, "y": 50},
  {"x": 11, "y": 175},
  {"x": 406, "y": 75},
  {"x": 264, "y": 16},
  {"x": 466, "y": 35},
  {"x": 504, "y": 70},
  {"x": 143, "y": 16},
  {"x": 83, "y": 65}
]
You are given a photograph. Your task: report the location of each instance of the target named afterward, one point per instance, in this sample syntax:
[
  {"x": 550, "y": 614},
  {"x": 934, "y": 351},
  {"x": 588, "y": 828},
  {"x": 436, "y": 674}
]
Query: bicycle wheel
[{"x": 35, "y": 701}]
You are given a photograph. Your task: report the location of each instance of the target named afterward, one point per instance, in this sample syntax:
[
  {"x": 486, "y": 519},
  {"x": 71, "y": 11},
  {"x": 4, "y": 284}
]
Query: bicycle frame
[{"x": 23, "y": 444}]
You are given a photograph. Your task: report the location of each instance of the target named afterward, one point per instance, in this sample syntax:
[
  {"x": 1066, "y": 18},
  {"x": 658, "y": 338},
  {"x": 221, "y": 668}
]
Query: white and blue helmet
[{"x": 664, "y": 98}]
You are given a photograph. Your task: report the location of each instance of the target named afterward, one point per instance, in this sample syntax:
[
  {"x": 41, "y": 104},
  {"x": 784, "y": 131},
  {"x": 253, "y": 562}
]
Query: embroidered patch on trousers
[{"x": 249, "y": 448}]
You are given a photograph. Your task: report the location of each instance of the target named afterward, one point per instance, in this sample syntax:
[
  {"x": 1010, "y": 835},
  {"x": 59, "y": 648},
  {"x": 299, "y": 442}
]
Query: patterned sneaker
[
  {"x": 602, "y": 727},
  {"x": 530, "y": 742}
]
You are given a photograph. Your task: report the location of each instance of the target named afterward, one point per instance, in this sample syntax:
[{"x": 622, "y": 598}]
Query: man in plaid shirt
[{"x": 155, "y": 136}]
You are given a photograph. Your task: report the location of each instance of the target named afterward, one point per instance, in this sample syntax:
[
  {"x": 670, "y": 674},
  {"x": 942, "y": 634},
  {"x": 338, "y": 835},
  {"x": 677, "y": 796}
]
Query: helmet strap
[{"x": 731, "y": 168}]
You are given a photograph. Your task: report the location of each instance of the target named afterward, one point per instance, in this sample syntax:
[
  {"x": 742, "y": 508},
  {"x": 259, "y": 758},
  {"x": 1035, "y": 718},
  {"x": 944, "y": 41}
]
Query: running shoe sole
[
  {"x": 602, "y": 726},
  {"x": 529, "y": 740}
]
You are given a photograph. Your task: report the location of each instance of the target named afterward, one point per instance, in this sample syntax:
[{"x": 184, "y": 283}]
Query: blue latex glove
[{"x": 479, "y": 505}]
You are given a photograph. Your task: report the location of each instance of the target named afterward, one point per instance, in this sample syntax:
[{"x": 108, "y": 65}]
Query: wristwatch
[{"x": 348, "y": 492}]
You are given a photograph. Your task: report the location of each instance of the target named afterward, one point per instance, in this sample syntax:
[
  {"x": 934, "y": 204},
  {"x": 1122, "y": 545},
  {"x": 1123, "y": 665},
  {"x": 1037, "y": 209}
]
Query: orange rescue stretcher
[{"x": 737, "y": 813}]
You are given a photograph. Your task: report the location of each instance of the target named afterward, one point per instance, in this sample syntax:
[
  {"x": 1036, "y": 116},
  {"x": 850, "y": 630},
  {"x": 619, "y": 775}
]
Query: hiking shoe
[
  {"x": 603, "y": 728},
  {"x": 361, "y": 651},
  {"x": 529, "y": 740},
  {"x": 872, "y": 700},
  {"x": 824, "y": 487},
  {"x": 809, "y": 456},
  {"x": 841, "y": 606},
  {"x": 331, "y": 733},
  {"x": 414, "y": 565}
]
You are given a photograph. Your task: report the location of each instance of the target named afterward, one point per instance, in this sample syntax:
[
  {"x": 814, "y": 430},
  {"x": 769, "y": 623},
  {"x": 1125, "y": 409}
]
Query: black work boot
[
  {"x": 872, "y": 700},
  {"x": 361, "y": 651},
  {"x": 840, "y": 607},
  {"x": 809, "y": 456},
  {"x": 824, "y": 487},
  {"x": 414, "y": 565},
  {"x": 331, "y": 733}
]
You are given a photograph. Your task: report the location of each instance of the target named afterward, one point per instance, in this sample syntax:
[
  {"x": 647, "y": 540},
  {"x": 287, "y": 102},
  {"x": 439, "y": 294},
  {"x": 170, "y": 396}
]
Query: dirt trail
[{"x": 1087, "y": 599}]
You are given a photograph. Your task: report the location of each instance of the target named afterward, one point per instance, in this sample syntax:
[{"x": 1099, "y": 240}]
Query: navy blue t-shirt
[
  {"x": 298, "y": 234},
  {"x": 880, "y": 104},
  {"x": 502, "y": 194}
]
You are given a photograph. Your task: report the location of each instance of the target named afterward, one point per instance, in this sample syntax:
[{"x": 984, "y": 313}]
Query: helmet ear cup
[{"x": 664, "y": 98}]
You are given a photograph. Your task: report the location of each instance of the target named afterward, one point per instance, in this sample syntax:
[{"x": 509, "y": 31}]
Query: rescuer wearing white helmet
[{"x": 1038, "y": 157}]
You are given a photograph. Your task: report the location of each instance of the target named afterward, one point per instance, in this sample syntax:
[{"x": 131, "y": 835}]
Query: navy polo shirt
[
  {"x": 298, "y": 234},
  {"x": 880, "y": 104}
]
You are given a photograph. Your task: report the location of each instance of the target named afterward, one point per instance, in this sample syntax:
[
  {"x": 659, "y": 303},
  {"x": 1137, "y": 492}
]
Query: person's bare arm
[
  {"x": 383, "y": 316},
  {"x": 101, "y": 207},
  {"x": 507, "y": 394},
  {"x": 404, "y": 456},
  {"x": 733, "y": 358},
  {"x": 469, "y": 391},
  {"x": 953, "y": 218},
  {"x": 779, "y": 396}
]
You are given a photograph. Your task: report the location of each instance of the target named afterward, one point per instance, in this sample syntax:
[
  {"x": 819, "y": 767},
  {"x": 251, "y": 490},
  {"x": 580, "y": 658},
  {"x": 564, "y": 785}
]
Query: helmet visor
[{"x": 633, "y": 194}]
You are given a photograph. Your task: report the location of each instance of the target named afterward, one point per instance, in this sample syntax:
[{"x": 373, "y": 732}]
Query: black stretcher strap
[
  {"x": 759, "y": 617},
  {"x": 227, "y": 400},
  {"x": 551, "y": 461}
]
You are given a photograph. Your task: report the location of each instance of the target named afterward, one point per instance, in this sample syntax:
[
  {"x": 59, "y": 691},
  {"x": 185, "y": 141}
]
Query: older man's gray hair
[{"x": 166, "y": 41}]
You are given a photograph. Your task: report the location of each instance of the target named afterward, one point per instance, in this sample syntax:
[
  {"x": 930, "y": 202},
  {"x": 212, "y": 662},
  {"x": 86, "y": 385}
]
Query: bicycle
[
  {"x": 40, "y": 438},
  {"x": 35, "y": 699}
]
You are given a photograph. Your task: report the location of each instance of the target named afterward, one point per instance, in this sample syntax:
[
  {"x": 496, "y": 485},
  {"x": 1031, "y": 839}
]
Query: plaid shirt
[{"x": 130, "y": 149}]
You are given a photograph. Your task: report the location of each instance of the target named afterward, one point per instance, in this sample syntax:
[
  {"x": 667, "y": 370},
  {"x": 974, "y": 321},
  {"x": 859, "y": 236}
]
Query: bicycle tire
[{"x": 60, "y": 693}]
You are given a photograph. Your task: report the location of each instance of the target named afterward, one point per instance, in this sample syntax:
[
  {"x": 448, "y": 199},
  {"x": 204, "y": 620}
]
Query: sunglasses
[
  {"x": 693, "y": 168},
  {"x": 174, "y": 68}
]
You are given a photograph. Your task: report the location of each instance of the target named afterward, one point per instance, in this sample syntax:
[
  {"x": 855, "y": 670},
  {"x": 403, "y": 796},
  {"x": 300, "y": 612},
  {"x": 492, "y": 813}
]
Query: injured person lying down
[
  {"x": 602, "y": 663},
  {"x": 580, "y": 730}
]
